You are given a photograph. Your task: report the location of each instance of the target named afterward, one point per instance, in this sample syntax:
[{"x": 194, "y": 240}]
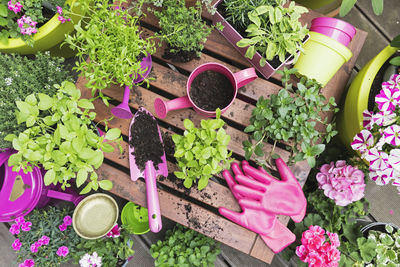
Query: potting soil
[
  {"x": 211, "y": 90},
  {"x": 181, "y": 56},
  {"x": 145, "y": 141}
]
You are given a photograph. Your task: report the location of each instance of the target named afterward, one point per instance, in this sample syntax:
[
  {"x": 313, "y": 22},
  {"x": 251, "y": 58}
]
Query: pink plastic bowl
[{"x": 336, "y": 29}]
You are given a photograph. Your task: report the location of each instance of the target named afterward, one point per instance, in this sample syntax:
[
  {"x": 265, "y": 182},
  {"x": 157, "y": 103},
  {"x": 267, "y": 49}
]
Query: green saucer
[{"x": 135, "y": 218}]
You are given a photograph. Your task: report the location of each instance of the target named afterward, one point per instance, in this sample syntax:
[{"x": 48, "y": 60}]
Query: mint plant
[
  {"x": 22, "y": 76},
  {"x": 60, "y": 137},
  {"x": 202, "y": 152},
  {"x": 275, "y": 31},
  {"x": 185, "y": 247},
  {"x": 291, "y": 116},
  {"x": 114, "y": 43}
]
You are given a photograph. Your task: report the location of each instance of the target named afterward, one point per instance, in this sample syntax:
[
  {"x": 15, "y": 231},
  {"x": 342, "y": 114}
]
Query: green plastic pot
[
  {"x": 48, "y": 37},
  {"x": 322, "y": 58},
  {"x": 328, "y": 7},
  {"x": 349, "y": 120},
  {"x": 135, "y": 218}
]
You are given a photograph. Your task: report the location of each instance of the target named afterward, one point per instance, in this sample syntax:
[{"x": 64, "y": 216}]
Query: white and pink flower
[
  {"x": 387, "y": 99},
  {"x": 363, "y": 141}
]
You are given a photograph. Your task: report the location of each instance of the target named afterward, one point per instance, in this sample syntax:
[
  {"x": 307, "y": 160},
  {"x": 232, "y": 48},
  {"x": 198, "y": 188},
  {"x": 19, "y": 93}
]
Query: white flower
[
  {"x": 394, "y": 158},
  {"x": 8, "y": 81},
  {"x": 88, "y": 260},
  {"x": 58, "y": 69}
]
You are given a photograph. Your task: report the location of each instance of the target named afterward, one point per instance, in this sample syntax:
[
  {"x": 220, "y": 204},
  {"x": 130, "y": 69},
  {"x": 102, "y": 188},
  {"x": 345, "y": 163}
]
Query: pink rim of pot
[
  {"x": 237, "y": 80},
  {"x": 336, "y": 29}
]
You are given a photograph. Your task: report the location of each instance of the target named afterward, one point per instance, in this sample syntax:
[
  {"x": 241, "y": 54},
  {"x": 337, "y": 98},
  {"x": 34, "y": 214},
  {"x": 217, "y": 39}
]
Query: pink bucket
[{"x": 336, "y": 29}]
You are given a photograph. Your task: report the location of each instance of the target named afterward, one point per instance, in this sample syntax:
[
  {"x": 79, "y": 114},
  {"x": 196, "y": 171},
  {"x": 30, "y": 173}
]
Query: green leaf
[
  {"x": 85, "y": 103},
  {"x": 3, "y": 11},
  {"x": 367, "y": 248},
  {"x": 113, "y": 134},
  {"x": 346, "y": 6},
  {"x": 250, "y": 52},
  {"x": 49, "y": 177},
  {"x": 10, "y": 137},
  {"x": 188, "y": 124},
  {"x": 188, "y": 183},
  {"x": 244, "y": 42},
  {"x": 203, "y": 182},
  {"x": 81, "y": 177},
  {"x": 23, "y": 106},
  {"x": 377, "y": 6},
  {"x": 395, "y": 61},
  {"x": 45, "y": 102},
  {"x": 179, "y": 175},
  {"x": 87, "y": 189},
  {"x": 105, "y": 184}
]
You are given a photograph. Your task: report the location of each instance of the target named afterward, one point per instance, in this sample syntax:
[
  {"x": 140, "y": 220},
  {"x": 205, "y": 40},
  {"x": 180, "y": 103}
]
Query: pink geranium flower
[
  {"x": 16, "y": 245},
  {"x": 14, "y": 6},
  {"x": 387, "y": 99},
  {"x": 115, "y": 232},
  {"x": 334, "y": 238},
  {"x": 62, "y": 251},
  {"x": 26, "y": 25}
]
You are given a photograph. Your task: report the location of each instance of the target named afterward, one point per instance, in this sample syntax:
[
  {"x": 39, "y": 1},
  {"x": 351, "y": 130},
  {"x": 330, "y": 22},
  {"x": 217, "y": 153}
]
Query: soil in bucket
[
  {"x": 181, "y": 56},
  {"x": 146, "y": 142},
  {"x": 211, "y": 90}
]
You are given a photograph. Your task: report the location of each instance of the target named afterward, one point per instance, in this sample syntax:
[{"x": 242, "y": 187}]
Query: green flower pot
[
  {"x": 349, "y": 120},
  {"x": 135, "y": 218},
  {"x": 48, "y": 37},
  {"x": 328, "y": 7}
]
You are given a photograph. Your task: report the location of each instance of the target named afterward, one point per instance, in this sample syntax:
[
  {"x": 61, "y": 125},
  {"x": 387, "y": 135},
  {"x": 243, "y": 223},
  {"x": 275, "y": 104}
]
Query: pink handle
[
  {"x": 163, "y": 107},
  {"x": 64, "y": 196},
  {"x": 153, "y": 204},
  {"x": 127, "y": 93},
  {"x": 245, "y": 76}
]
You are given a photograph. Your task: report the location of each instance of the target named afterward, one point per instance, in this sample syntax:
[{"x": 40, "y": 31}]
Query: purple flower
[
  {"x": 62, "y": 227},
  {"x": 59, "y": 10},
  {"x": 29, "y": 263},
  {"x": 14, "y": 6},
  {"x": 26, "y": 226},
  {"x": 20, "y": 220},
  {"x": 16, "y": 245},
  {"x": 62, "y": 251},
  {"x": 67, "y": 220},
  {"x": 14, "y": 229},
  {"x": 115, "y": 232},
  {"x": 34, "y": 247},
  {"x": 368, "y": 122},
  {"x": 363, "y": 141},
  {"x": 44, "y": 240},
  {"x": 388, "y": 99}
]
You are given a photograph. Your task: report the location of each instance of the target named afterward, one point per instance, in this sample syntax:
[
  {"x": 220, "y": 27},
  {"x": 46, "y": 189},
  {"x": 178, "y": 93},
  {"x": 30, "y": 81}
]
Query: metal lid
[{"x": 95, "y": 216}]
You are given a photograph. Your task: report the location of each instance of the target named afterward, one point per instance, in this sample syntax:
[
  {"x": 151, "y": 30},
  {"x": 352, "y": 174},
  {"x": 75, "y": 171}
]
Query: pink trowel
[{"x": 147, "y": 159}]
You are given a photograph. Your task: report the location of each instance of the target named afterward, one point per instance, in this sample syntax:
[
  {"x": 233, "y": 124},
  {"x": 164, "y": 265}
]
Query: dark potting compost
[
  {"x": 181, "y": 56},
  {"x": 211, "y": 90},
  {"x": 146, "y": 141}
]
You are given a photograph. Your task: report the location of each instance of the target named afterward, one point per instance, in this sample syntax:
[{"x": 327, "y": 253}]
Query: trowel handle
[{"x": 153, "y": 204}]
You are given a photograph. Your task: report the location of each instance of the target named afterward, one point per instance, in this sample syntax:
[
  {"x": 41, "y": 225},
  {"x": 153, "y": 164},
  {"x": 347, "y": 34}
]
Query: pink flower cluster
[
  {"x": 115, "y": 232},
  {"x": 62, "y": 251},
  {"x": 317, "y": 252},
  {"x": 20, "y": 224},
  {"x": 43, "y": 241},
  {"x": 60, "y": 17},
  {"x": 27, "y": 25},
  {"x": 379, "y": 141},
  {"x": 67, "y": 221},
  {"x": 14, "y": 6},
  {"x": 27, "y": 263},
  {"x": 342, "y": 183}
]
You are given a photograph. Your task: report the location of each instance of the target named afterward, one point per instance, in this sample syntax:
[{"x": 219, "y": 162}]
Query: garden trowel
[{"x": 148, "y": 161}]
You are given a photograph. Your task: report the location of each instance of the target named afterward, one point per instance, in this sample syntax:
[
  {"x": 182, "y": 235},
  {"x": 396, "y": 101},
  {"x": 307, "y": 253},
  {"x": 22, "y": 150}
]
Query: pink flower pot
[{"x": 336, "y": 29}]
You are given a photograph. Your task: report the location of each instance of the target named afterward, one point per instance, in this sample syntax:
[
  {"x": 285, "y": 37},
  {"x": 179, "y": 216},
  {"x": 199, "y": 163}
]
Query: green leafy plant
[
  {"x": 291, "y": 116},
  {"x": 182, "y": 27},
  {"x": 112, "y": 39},
  {"x": 60, "y": 137},
  {"x": 347, "y": 5},
  {"x": 395, "y": 43},
  {"x": 45, "y": 222},
  {"x": 202, "y": 152},
  {"x": 184, "y": 247},
  {"x": 112, "y": 250},
  {"x": 21, "y": 77},
  {"x": 275, "y": 32}
]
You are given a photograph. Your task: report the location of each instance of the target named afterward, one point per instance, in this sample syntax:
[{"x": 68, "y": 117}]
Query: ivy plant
[
  {"x": 275, "y": 31},
  {"x": 202, "y": 152},
  {"x": 60, "y": 137},
  {"x": 184, "y": 247},
  {"x": 291, "y": 116}
]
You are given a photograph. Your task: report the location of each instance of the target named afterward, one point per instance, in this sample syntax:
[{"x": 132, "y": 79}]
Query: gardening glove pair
[{"x": 261, "y": 198}]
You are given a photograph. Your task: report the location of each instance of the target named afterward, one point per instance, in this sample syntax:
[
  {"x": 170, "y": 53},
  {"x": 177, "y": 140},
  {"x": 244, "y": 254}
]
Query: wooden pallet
[{"x": 198, "y": 209}]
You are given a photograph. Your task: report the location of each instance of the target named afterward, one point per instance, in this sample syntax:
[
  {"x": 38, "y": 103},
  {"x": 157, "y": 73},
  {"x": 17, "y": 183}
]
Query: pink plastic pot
[
  {"x": 336, "y": 29},
  {"x": 237, "y": 79},
  {"x": 20, "y": 193}
]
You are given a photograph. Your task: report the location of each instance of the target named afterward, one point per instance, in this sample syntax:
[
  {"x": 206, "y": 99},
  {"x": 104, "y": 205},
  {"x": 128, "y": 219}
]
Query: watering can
[{"x": 20, "y": 193}]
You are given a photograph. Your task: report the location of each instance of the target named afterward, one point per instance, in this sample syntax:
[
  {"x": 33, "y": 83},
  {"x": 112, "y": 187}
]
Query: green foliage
[
  {"x": 183, "y": 28},
  {"x": 46, "y": 222},
  {"x": 110, "y": 249},
  {"x": 184, "y": 247},
  {"x": 200, "y": 151},
  {"x": 347, "y": 5},
  {"x": 114, "y": 43},
  {"x": 21, "y": 77},
  {"x": 274, "y": 31},
  {"x": 60, "y": 137},
  {"x": 395, "y": 43},
  {"x": 291, "y": 116}
]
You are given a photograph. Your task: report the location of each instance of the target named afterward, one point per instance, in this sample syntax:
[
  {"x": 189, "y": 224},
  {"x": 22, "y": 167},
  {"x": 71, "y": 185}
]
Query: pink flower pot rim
[{"x": 334, "y": 23}]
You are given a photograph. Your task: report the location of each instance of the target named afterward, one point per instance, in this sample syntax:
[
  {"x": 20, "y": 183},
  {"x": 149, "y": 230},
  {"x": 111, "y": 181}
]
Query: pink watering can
[
  {"x": 237, "y": 80},
  {"x": 20, "y": 193}
]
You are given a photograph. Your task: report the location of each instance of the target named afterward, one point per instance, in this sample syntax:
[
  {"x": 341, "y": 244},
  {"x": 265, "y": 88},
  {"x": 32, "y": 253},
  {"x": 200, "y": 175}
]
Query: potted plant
[
  {"x": 115, "y": 249},
  {"x": 183, "y": 29},
  {"x": 329, "y": 8},
  {"x": 291, "y": 116},
  {"x": 271, "y": 40},
  {"x": 19, "y": 21},
  {"x": 201, "y": 152},
  {"x": 45, "y": 237},
  {"x": 21, "y": 77},
  {"x": 185, "y": 247},
  {"x": 60, "y": 137},
  {"x": 115, "y": 50}
]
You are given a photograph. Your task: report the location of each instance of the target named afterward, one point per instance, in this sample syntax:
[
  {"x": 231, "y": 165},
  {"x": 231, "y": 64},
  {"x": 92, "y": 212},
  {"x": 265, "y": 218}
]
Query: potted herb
[
  {"x": 45, "y": 237},
  {"x": 60, "y": 136},
  {"x": 21, "y": 77},
  {"x": 115, "y": 49},
  {"x": 201, "y": 152},
  {"x": 269, "y": 37},
  {"x": 19, "y": 21},
  {"x": 112, "y": 250},
  {"x": 291, "y": 116},
  {"x": 183, "y": 29},
  {"x": 185, "y": 247}
]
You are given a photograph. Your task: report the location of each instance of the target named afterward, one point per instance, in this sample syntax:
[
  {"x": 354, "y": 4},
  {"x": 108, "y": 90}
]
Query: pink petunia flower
[
  {"x": 394, "y": 158},
  {"x": 16, "y": 245},
  {"x": 20, "y": 220},
  {"x": 34, "y": 247},
  {"x": 392, "y": 135},
  {"x": 387, "y": 99},
  {"x": 378, "y": 159},
  {"x": 115, "y": 232},
  {"x": 67, "y": 220},
  {"x": 384, "y": 118},
  {"x": 26, "y": 226},
  {"x": 14, "y": 229},
  {"x": 392, "y": 83},
  {"x": 44, "y": 240},
  {"x": 62, "y": 227},
  {"x": 363, "y": 141},
  {"x": 378, "y": 178},
  {"x": 62, "y": 251},
  {"x": 14, "y": 6},
  {"x": 368, "y": 121}
]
